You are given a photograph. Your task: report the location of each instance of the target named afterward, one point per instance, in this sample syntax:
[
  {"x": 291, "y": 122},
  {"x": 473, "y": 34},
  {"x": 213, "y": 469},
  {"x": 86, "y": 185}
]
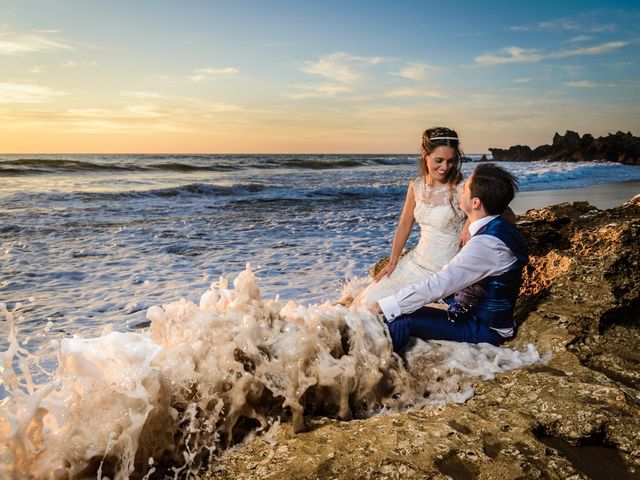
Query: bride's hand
[
  {"x": 375, "y": 309},
  {"x": 387, "y": 270}
]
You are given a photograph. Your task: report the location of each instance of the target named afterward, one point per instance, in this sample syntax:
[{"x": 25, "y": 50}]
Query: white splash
[{"x": 206, "y": 375}]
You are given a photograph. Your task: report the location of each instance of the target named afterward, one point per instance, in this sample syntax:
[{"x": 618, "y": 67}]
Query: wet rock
[
  {"x": 380, "y": 264},
  {"x": 619, "y": 147},
  {"x": 516, "y": 153},
  {"x": 566, "y": 418}
]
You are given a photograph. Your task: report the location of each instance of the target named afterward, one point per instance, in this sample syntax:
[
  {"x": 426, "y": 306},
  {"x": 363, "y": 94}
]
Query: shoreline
[{"x": 602, "y": 196}]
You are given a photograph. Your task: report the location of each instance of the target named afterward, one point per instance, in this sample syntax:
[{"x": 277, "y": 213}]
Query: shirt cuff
[{"x": 390, "y": 308}]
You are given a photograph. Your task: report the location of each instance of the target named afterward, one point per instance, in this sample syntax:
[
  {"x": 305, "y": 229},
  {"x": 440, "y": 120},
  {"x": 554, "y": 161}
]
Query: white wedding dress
[{"x": 438, "y": 213}]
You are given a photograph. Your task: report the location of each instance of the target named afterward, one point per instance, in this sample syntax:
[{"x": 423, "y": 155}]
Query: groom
[{"x": 480, "y": 284}]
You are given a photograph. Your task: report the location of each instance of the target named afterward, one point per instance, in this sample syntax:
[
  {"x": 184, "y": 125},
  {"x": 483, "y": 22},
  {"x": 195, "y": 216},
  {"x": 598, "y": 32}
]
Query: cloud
[
  {"x": 135, "y": 119},
  {"x": 318, "y": 90},
  {"x": 274, "y": 44},
  {"x": 618, "y": 64},
  {"x": 221, "y": 107},
  {"x": 174, "y": 103},
  {"x": 520, "y": 55},
  {"x": 414, "y": 71},
  {"x": 184, "y": 115},
  {"x": 580, "y": 38},
  {"x": 560, "y": 24},
  {"x": 27, "y": 93},
  {"x": 200, "y": 74},
  {"x": 583, "y": 84},
  {"x": 521, "y": 80},
  {"x": 74, "y": 64},
  {"x": 141, "y": 111},
  {"x": 508, "y": 55},
  {"x": 13, "y": 44},
  {"x": 341, "y": 66},
  {"x": 415, "y": 93},
  {"x": 597, "y": 50},
  {"x": 572, "y": 70},
  {"x": 141, "y": 95},
  {"x": 565, "y": 25},
  {"x": 571, "y": 25}
]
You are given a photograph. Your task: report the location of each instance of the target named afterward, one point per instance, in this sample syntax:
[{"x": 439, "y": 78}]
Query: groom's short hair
[{"x": 494, "y": 186}]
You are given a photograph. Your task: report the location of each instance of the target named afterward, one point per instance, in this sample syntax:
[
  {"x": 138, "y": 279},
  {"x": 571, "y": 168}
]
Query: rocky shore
[
  {"x": 575, "y": 416},
  {"x": 619, "y": 147}
]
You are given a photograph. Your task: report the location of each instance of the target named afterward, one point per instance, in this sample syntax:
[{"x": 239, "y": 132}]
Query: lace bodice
[
  {"x": 437, "y": 195},
  {"x": 438, "y": 213}
]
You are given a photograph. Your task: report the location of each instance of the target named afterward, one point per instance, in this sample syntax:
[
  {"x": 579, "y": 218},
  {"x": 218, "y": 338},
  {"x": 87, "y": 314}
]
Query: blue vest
[{"x": 493, "y": 299}]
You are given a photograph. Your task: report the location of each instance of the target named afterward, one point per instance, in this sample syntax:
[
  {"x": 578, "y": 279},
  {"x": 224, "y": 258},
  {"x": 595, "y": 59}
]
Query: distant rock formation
[
  {"x": 575, "y": 416},
  {"x": 619, "y": 147}
]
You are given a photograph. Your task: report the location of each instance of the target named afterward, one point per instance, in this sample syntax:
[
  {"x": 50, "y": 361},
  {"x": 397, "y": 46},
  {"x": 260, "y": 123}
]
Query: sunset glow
[{"x": 285, "y": 76}]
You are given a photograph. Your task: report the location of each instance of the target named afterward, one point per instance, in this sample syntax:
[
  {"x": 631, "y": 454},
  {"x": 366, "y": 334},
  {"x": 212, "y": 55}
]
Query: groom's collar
[{"x": 478, "y": 224}]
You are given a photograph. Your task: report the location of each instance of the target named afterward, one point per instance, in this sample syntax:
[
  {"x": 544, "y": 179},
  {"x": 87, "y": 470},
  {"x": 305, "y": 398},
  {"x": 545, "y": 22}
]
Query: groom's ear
[{"x": 476, "y": 203}]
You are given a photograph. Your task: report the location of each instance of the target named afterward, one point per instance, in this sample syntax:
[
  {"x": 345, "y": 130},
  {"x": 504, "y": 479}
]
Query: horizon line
[{"x": 226, "y": 153}]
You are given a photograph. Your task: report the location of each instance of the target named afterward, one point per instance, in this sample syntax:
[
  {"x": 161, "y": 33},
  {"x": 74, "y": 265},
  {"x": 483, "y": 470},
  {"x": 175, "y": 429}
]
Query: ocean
[
  {"x": 95, "y": 240},
  {"x": 90, "y": 244}
]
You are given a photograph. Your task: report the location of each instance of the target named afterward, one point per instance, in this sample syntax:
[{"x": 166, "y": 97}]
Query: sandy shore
[{"x": 606, "y": 195}]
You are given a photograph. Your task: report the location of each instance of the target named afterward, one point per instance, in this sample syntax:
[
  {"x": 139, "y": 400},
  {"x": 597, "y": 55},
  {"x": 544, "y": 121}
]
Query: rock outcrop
[
  {"x": 574, "y": 416},
  {"x": 619, "y": 147}
]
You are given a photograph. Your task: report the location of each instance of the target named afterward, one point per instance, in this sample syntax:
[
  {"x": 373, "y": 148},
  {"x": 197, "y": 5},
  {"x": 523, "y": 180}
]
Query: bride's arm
[{"x": 402, "y": 233}]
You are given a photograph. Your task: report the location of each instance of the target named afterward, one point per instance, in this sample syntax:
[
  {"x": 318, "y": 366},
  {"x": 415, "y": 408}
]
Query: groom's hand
[
  {"x": 465, "y": 235},
  {"x": 375, "y": 308}
]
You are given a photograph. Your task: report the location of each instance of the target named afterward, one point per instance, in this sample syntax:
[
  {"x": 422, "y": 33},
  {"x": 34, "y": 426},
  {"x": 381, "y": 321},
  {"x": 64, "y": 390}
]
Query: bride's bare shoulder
[{"x": 417, "y": 182}]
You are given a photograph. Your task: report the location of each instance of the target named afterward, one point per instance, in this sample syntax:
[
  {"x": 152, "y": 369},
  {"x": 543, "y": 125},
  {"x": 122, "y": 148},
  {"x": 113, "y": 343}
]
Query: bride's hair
[{"x": 433, "y": 138}]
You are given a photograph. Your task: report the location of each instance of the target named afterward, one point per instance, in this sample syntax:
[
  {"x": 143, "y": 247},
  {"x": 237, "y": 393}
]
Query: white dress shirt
[{"x": 481, "y": 257}]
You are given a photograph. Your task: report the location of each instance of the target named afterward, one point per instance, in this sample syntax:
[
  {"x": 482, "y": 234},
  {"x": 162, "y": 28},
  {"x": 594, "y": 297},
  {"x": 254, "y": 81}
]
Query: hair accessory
[{"x": 443, "y": 138}]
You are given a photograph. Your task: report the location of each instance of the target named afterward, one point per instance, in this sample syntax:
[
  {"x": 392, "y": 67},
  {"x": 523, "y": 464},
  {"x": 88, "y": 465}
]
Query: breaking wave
[
  {"x": 204, "y": 376},
  {"x": 191, "y": 163}
]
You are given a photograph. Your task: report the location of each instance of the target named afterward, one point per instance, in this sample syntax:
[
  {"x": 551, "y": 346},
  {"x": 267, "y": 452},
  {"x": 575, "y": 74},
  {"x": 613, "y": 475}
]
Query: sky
[{"x": 285, "y": 76}]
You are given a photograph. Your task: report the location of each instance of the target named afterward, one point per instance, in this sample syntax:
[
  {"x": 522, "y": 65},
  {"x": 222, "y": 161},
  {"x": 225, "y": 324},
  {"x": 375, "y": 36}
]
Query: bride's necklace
[
  {"x": 432, "y": 192},
  {"x": 433, "y": 184}
]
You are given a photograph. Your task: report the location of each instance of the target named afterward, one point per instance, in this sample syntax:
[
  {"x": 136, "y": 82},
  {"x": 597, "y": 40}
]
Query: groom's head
[{"x": 493, "y": 186}]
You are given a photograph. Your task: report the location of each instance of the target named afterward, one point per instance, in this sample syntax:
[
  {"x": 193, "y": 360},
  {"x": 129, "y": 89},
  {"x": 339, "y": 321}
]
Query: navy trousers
[{"x": 430, "y": 323}]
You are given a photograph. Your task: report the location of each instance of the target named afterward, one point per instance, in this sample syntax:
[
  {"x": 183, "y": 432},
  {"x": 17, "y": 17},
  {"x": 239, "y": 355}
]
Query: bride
[{"x": 433, "y": 201}]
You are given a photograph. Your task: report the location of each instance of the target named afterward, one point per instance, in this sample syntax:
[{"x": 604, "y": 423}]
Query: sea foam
[{"x": 205, "y": 376}]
